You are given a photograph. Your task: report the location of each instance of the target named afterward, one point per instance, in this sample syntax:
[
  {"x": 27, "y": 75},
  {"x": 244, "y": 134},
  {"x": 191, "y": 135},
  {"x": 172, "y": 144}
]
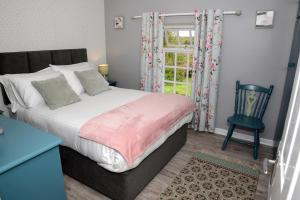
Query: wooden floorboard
[{"x": 196, "y": 142}]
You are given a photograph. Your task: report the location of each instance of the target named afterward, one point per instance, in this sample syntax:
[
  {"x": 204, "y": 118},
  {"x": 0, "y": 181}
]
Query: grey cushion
[
  {"x": 92, "y": 82},
  {"x": 56, "y": 92}
]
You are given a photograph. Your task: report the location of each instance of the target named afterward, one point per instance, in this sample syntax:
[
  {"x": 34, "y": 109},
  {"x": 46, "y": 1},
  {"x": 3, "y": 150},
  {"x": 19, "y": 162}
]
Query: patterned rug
[{"x": 209, "y": 178}]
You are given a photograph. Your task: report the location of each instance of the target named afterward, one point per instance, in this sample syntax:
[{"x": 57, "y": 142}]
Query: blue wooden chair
[{"x": 250, "y": 105}]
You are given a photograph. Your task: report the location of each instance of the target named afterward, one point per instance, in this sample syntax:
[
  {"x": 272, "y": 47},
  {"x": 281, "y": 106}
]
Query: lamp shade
[{"x": 103, "y": 69}]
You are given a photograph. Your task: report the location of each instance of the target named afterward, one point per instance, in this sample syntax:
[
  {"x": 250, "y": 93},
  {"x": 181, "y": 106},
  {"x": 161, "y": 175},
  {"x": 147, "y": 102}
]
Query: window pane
[
  {"x": 182, "y": 60},
  {"x": 165, "y": 40},
  {"x": 189, "y": 84},
  {"x": 172, "y": 38},
  {"x": 184, "y": 37},
  {"x": 181, "y": 75},
  {"x": 193, "y": 37},
  {"x": 185, "y": 41},
  {"x": 190, "y": 75},
  {"x": 184, "y": 33},
  {"x": 169, "y": 88},
  {"x": 191, "y": 60},
  {"x": 170, "y": 58},
  {"x": 180, "y": 89},
  {"x": 169, "y": 74}
]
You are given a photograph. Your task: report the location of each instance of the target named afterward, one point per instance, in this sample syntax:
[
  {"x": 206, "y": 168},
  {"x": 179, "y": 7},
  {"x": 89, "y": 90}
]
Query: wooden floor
[{"x": 196, "y": 142}]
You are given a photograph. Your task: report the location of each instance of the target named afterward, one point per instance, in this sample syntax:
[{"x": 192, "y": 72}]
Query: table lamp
[{"x": 103, "y": 69}]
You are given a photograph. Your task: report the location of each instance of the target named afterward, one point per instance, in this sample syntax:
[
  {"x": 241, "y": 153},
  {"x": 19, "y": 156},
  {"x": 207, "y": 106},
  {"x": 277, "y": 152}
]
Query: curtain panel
[
  {"x": 152, "y": 52},
  {"x": 206, "y": 67}
]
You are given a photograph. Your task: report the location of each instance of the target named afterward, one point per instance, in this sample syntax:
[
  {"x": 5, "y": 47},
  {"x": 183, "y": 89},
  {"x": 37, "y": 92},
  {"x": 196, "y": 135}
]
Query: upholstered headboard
[{"x": 32, "y": 61}]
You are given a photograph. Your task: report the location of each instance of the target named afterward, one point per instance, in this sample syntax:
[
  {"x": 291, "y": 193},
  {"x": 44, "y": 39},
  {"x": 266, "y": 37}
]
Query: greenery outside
[
  {"x": 180, "y": 88},
  {"x": 181, "y": 41}
]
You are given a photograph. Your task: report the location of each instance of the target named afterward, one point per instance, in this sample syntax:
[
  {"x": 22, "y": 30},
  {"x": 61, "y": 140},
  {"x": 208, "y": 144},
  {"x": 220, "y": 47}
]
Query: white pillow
[
  {"x": 68, "y": 72},
  {"x": 22, "y": 89},
  {"x": 15, "y": 101},
  {"x": 12, "y": 92}
]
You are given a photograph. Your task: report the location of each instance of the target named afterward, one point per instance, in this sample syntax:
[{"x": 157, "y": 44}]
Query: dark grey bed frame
[{"x": 121, "y": 186}]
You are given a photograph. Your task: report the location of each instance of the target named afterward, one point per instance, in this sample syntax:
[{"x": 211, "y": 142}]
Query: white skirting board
[{"x": 242, "y": 136}]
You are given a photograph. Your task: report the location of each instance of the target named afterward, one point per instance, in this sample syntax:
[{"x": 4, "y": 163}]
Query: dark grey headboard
[{"x": 32, "y": 61}]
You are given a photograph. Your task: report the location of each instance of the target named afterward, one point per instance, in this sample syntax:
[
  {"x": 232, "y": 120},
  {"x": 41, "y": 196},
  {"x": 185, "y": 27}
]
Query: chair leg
[
  {"x": 228, "y": 136},
  {"x": 256, "y": 144}
]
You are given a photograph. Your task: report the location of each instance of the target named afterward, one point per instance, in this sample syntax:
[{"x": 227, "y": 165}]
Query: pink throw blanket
[{"x": 133, "y": 127}]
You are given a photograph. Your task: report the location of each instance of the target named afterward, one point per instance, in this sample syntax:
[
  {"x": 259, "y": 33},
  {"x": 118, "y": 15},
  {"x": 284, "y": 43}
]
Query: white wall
[{"x": 53, "y": 24}]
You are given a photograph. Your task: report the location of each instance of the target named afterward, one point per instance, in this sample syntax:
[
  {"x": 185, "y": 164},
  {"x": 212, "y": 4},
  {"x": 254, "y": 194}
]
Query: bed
[{"x": 114, "y": 179}]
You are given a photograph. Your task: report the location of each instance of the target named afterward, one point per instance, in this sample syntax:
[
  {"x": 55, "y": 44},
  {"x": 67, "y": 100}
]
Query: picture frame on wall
[
  {"x": 264, "y": 18},
  {"x": 119, "y": 22}
]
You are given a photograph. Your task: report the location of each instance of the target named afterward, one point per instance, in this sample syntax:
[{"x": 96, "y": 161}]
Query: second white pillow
[{"x": 68, "y": 72}]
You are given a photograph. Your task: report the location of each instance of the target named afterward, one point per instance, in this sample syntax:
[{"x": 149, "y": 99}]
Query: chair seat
[{"x": 245, "y": 121}]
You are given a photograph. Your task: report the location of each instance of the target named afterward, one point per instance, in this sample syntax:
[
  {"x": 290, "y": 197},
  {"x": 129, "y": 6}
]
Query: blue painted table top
[{"x": 21, "y": 142}]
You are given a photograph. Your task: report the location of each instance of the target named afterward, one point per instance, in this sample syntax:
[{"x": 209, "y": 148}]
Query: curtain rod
[{"x": 237, "y": 13}]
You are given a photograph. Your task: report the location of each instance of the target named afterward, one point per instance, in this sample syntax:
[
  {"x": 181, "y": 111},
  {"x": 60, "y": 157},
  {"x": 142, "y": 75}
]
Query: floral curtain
[
  {"x": 206, "y": 67},
  {"x": 152, "y": 52}
]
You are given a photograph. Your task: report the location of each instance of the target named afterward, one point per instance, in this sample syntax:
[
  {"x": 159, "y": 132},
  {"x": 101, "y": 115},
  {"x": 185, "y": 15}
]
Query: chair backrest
[{"x": 251, "y": 100}]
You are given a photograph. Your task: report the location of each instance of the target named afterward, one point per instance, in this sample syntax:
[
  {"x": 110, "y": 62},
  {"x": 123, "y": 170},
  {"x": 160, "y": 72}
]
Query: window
[{"x": 178, "y": 60}]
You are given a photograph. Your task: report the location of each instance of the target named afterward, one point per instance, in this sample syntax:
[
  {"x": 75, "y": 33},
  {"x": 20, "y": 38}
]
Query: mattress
[{"x": 66, "y": 122}]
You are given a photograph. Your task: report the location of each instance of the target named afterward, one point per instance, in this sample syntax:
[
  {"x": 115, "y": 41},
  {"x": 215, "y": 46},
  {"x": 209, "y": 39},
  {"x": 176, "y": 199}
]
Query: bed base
[{"x": 126, "y": 185}]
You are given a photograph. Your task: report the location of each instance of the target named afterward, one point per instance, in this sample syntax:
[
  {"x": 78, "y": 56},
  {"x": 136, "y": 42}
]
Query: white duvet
[{"x": 66, "y": 122}]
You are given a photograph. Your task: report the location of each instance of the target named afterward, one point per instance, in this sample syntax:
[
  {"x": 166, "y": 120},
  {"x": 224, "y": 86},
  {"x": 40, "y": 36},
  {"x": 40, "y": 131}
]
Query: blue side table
[{"x": 30, "y": 166}]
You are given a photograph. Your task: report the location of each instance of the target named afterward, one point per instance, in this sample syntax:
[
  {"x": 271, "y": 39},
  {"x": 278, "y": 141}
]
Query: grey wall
[
  {"x": 251, "y": 55},
  {"x": 53, "y": 24}
]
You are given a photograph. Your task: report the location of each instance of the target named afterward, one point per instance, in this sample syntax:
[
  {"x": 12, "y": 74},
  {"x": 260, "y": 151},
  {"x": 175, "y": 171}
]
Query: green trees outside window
[{"x": 178, "y": 47}]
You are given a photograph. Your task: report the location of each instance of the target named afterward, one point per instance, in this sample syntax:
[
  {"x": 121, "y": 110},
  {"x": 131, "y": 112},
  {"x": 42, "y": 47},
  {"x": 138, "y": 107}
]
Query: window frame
[{"x": 177, "y": 50}]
